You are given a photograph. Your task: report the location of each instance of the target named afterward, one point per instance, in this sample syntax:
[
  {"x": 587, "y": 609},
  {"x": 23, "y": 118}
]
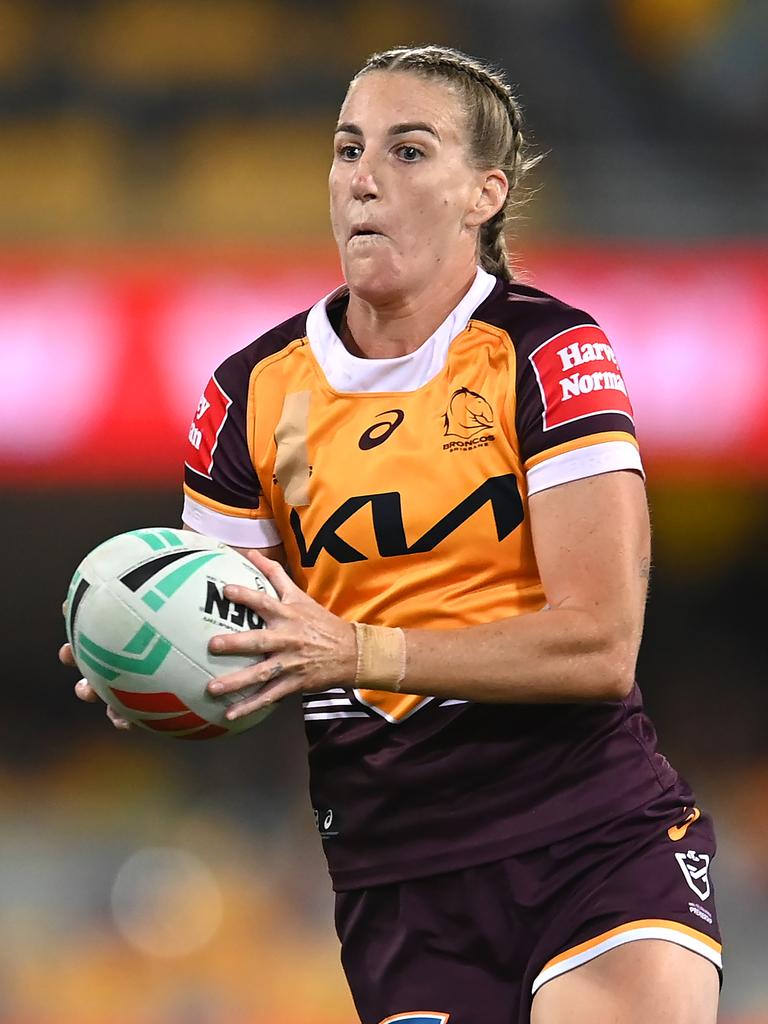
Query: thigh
[
  {"x": 641, "y": 982},
  {"x": 440, "y": 950},
  {"x": 637, "y": 939}
]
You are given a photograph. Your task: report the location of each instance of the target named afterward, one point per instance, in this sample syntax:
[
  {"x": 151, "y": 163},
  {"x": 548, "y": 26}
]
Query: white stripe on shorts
[{"x": 669, "y": 931}]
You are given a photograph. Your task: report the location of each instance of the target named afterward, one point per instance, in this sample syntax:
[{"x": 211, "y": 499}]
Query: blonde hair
[{"x": 495, "y": 125}]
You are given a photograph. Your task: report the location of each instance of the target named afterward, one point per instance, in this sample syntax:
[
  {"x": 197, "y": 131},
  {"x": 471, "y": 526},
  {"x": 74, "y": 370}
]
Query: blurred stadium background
[{"x": 162, "y": 199}]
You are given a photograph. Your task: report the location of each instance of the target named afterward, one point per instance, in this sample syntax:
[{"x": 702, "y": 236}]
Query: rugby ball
[{"x": 139, "y": 613}]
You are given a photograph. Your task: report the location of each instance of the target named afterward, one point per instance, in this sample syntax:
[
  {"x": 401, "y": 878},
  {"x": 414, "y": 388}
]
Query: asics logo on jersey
[
  {"x": 379, "y": 432},
  {"x": 467, "y": 415},
  {"x": 388, "y": 526}
]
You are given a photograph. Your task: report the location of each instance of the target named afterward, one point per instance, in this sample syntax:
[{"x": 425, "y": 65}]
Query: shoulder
[
  {"x": 235, "y": 371},
  {"x": 573, "y": 415},
  {"x": 528, "y": 315}
]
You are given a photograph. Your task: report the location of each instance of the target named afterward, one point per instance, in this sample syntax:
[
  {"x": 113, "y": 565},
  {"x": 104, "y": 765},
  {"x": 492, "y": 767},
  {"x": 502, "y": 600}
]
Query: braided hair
[{"x": 495, "y": 129}]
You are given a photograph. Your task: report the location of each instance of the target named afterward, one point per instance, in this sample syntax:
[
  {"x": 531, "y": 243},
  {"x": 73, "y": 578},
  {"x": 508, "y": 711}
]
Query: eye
[
  {"x": 410, "y": 154},
  {"x": 349, "y": 151}
]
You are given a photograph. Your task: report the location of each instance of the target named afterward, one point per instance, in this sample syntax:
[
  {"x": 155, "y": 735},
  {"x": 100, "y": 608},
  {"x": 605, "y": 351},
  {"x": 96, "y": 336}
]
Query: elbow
[
  {"x": 622, "y": 685},
  {"x": 617, "y": 675}
]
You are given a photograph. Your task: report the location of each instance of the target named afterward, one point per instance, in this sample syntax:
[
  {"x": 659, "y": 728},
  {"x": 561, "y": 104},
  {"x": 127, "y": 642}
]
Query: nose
[{"x": 365, "y": 185}]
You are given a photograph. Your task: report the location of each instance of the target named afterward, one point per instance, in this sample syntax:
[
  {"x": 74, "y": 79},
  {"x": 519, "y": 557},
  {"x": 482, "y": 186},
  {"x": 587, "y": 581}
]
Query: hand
[
  {"x": 306, "y": 647},
  {"x": 84, "y": 691}
]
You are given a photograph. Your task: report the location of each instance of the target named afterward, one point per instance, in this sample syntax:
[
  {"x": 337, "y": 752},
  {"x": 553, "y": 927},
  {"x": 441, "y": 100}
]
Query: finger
[
  {"x": 255, "y": 675},
  {"x": 266, "y": 606},
  {"x": 270, "y": 694},
  {"x": 253, "y": 641},
  {"x": 116, "y": 719},
  {"x": 66, "y": 657},
  {"x": 84, "y": 691},
  {"x": 274, "y": 572}
]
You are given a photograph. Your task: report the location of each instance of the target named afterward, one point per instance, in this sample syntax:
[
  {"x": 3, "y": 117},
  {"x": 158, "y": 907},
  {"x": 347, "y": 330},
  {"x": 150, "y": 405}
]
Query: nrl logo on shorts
[
  {"x": 695, "y": 868},
  {"x": 468, "y": 417}
]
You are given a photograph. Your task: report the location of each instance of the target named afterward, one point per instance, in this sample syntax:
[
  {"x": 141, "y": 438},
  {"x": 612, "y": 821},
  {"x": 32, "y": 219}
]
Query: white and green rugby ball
[{"x": 139, "y": 613}]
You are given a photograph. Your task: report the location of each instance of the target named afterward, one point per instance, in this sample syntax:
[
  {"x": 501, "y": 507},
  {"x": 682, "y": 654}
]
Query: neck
[{"x": 402, "y": 324}]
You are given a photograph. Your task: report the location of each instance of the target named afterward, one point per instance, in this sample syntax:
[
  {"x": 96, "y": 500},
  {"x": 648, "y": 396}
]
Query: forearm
[{"x": 559, "y": 655}]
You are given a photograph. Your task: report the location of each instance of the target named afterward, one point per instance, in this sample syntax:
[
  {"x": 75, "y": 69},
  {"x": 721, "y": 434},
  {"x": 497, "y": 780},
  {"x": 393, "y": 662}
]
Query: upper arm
[
  {"x": 589, "y": 515},
  {"x": 592, "y": 543},
  {"x": 573, "y": 416},
  {"x": 223, "y": 495}
]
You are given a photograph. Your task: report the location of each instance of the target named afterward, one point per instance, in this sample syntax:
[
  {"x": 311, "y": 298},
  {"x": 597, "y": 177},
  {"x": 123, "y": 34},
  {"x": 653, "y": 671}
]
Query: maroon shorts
[{"x": 473, "y": 946}]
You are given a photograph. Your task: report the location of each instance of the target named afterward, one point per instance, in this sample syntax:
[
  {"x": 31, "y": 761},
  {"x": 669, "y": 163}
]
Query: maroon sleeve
[
  {"x": 218, "y": 464},
  {"x": 568, "y": 383},
  {"x": 218, "y": 469},
  {"x": 569, "y": 387}
]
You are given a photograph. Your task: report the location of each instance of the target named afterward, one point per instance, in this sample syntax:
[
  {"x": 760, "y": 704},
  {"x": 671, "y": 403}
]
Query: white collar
[{"x": 348, "y": 373}]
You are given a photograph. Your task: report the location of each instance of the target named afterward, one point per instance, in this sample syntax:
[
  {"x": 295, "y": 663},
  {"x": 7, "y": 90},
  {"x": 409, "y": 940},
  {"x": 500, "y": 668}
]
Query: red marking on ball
[
  {"x": 175, "y": 724},
  {"x": 149, "y": 701}
]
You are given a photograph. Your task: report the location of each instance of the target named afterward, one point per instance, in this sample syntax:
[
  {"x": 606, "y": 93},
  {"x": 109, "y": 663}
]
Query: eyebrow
[{"x": 397, "y": 129}]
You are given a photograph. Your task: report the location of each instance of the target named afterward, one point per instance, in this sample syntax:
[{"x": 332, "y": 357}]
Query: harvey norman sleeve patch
[
  {"x": 210, "y": 417},
  {"x": 578, "y": 376}
]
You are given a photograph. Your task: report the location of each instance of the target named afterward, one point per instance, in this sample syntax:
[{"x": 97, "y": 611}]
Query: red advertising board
[{"x": 103, "y": 359}]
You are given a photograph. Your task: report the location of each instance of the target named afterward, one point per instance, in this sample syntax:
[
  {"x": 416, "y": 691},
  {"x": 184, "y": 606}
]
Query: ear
[{"x": 488, "y": 198}]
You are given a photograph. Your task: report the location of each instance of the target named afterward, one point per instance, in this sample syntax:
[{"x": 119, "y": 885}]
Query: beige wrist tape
[{"x": 380, "y": 656}]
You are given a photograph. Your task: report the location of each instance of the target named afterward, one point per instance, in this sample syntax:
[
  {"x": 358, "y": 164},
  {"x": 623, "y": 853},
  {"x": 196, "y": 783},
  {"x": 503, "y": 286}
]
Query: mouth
[{"x": 364, "y": 232}]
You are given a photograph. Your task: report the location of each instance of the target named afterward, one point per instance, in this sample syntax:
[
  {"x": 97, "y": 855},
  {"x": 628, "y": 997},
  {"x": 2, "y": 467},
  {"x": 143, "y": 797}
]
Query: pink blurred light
[
  {"x": 691, "y": 343},
  {"x": 208, "y": 318},
  {"x": 102, "y": 370},
  {"x": 59, "y": 347}
]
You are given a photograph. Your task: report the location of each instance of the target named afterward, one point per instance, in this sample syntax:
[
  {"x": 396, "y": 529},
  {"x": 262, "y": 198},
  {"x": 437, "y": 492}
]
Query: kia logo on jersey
[
  {"x": 379, "y": 432},
  {"x": 389, "y": 526}
]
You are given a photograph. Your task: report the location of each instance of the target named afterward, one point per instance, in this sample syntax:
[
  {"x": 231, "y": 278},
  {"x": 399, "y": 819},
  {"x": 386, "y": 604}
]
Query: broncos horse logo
[{"x": 468, "y": 414}]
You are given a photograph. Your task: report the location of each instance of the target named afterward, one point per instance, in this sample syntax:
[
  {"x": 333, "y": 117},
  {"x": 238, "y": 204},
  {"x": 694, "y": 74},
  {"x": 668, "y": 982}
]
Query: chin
[{"x": 374, "y": 280}]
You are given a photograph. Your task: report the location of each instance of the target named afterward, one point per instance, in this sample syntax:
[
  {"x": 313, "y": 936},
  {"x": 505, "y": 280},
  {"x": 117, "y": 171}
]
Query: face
[{"x": 406, "y": 204}]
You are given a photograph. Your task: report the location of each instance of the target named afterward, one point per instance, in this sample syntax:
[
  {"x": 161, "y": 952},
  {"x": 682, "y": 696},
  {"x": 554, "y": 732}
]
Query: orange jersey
[{"x": 399, "y": 488}]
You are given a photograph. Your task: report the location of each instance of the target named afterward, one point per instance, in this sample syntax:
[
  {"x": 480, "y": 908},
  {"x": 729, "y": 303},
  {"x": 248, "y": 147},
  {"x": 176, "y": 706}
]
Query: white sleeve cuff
[
  {"x": 235, "y": 530},
  {"x": 604, "y": 457}
]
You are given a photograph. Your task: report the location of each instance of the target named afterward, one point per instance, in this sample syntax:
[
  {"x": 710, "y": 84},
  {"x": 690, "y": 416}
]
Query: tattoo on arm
[{"x": 645, "y": 568}]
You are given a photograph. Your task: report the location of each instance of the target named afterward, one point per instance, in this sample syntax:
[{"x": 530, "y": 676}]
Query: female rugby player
[{"x": 437, "y": 469}]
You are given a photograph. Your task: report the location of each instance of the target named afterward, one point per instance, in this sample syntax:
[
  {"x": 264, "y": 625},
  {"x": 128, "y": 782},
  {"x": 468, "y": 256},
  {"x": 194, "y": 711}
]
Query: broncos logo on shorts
[{"x": 468, "y": 414}]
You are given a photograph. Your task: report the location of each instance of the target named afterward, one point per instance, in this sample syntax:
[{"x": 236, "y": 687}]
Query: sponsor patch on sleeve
[
  {"x": 579, "y": 376},
  {"x": 210, "y": 417}
]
